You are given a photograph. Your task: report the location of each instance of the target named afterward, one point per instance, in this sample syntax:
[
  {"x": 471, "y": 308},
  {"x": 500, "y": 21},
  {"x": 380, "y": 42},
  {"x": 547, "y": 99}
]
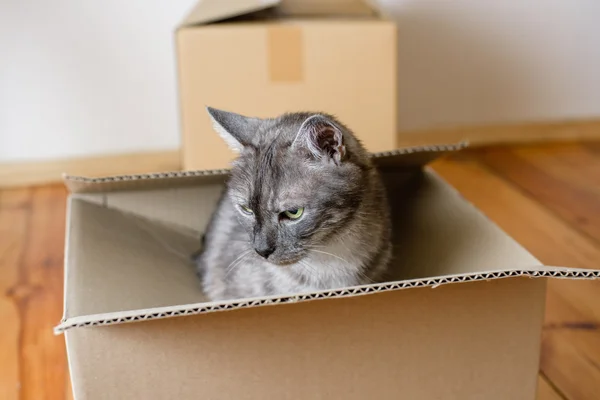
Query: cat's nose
[{"x": 264, "y": 251}]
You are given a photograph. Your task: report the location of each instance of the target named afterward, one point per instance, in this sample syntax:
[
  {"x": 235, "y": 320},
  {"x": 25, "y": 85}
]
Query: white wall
[
  {"x": 473, "y": 62},
  {"x": 80, "y": 77},
  {"x": 91, "y": 77}
]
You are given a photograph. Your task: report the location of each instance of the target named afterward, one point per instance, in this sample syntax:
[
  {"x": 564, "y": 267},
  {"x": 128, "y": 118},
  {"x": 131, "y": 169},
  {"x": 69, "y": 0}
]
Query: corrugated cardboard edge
[
  {"x": 79, "y": 184},
  {"x": 203, "y": 308},
  {"x": 66, "y": 251}
]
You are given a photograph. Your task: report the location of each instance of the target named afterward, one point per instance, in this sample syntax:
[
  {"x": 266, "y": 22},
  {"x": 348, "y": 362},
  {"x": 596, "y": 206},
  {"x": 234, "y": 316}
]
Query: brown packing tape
[{"x": 285, "y": 54}]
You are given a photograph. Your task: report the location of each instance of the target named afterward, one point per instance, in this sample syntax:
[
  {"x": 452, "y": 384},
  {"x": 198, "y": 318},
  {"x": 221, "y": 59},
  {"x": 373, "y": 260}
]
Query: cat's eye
[
  {"x": 246, "y": 210},
  {"x": 294, "y": 214}
]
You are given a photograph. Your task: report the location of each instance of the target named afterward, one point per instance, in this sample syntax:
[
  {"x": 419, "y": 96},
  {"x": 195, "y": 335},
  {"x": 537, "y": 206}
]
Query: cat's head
[{"x": 297, "y": 183}]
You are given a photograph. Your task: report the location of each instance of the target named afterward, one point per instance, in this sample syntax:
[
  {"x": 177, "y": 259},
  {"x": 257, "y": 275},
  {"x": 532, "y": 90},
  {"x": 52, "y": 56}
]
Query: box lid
[
  {"x": 209, "y": 11},
  {"x": 129, "y": 237}
]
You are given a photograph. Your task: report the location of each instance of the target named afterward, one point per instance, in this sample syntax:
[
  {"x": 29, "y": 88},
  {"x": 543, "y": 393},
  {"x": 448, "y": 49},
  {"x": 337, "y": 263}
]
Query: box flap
[
  {"x": 207, "y": 11},
  {"x": 161, "y": 180},
  {"x": 409, "y": 157},
  {"x": 414, "y": 157},
  {"x": 326, "y": 7},
  {"x": 119, "y": 261}
]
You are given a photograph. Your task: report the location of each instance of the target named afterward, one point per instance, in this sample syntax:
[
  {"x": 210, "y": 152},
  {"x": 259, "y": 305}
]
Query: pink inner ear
[
  {"x": 329, "y": 142},
  {"x": 326, "y": 140},
  {"x": 321, "y": 138}
]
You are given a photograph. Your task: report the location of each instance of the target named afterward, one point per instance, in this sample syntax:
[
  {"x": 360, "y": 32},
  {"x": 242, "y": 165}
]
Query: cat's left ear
[
  {"x": 322, "y": 138},
  {"x": 235, "y": 129}
]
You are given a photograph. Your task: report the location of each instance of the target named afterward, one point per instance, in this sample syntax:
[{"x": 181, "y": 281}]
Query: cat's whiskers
[
  {"x": 309, "y": 267},
  {"x": 365, "y": 277},
  {"x": 330, "y": 254},
  {"x": 314, "y": 274},
  {"x": 236, "y": 262},
  {"x": 340, "y": 268},
  {"x": 312, "y": 271}
]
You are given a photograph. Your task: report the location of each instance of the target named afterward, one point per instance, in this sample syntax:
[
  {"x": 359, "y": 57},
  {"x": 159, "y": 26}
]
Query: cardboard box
[
  {"x": 263, "y": 58},
  {"x": 463, "y": 319}
]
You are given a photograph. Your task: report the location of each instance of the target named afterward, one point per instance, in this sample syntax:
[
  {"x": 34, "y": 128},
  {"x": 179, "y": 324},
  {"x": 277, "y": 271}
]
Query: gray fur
[{"x": 297, "y": 160}]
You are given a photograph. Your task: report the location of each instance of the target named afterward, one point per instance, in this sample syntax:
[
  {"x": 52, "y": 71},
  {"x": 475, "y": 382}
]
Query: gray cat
[{"x": 303, "y": 210}]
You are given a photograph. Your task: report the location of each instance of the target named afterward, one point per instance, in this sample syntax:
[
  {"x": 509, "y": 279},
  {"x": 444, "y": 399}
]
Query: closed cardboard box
[
  {"x": 461, "y": 320},
  {"x": 264, "y": 58}
]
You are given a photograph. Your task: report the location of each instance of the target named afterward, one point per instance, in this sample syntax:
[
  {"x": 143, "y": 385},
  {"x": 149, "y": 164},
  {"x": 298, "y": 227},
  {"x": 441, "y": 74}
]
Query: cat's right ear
[
  {"x": 237, "y": 130},
  {"x": 322, "y": 137}
]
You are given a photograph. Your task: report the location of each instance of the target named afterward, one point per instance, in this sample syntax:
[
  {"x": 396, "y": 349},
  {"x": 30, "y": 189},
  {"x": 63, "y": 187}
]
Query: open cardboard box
[{"x": 462, "y": 321}]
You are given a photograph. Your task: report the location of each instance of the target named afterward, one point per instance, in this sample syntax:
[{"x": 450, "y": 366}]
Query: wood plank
[
  {"x": 593, "y": 147},
  {"x": 570, "y": 347},
  {"x": 571, "y": 304},
  {"x": 68, "y": 388},
  {"x": 14, "y": 218},
  {"x": 545, "y": 391},
  {"x": 39, "y": 295},
  {"x": 565, "y": 179},
  {"x": 15, "y": 198},
  {"x": 20, "y": 174},
  {"x": 576, "y": 161},
  {"x": 567, "y": 160}
]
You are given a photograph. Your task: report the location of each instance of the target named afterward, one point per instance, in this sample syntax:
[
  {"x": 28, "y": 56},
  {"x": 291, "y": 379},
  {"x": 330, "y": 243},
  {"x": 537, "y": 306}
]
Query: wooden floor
[{"x": 546, "y": 196}]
